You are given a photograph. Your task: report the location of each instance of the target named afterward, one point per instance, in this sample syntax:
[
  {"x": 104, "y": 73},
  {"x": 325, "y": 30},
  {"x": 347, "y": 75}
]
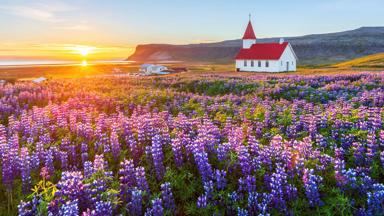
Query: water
[{"x": 20, "y": 62}]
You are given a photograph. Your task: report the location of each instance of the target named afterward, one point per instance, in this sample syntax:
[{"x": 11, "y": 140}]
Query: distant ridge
[{"x": 311, "y": 49}]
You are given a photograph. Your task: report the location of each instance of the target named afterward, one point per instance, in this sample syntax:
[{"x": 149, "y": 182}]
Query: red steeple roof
[{"x": 249, "y": 34}]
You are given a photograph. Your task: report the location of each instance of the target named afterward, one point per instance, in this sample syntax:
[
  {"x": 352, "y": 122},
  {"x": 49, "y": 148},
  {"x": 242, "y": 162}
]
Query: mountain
[{"x": 312, "y": 49}]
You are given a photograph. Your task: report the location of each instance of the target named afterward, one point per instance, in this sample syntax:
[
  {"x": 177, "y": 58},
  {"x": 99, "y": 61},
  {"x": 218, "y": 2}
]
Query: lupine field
[{"x": 196, "y": 145}]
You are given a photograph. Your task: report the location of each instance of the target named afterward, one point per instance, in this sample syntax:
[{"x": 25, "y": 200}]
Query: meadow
[{"x": 194, "y": 144}]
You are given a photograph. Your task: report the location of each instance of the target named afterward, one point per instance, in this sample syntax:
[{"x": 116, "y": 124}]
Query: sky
[{"x": 110, "y": 29}]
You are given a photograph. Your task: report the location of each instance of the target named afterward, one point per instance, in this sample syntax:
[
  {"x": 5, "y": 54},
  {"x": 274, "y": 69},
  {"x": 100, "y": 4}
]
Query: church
[{"x": 264, "y": 57}]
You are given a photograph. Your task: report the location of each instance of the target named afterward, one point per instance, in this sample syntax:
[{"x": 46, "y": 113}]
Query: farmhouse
[
  {"x": 39, "y": 80},
  {"x": 264, "y": 57},
  {"x": 150, "y": 69}
]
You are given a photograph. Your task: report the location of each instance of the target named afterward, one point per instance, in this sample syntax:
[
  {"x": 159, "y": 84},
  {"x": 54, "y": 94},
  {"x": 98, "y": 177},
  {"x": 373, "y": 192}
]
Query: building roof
[
  {"x": 143, "y": 66},
  {"x": 263, "y": 51},
  {"x": 249, "y": 33},
  {"x": 39, "y": 80}
]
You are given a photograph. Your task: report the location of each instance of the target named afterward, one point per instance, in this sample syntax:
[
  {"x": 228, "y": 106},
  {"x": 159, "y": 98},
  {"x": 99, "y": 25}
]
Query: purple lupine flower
[
  {"x": 130, "y": 139},
  {"x": 242, "y": 212},
  {"x": 157, "y": 208},
  {"x": 70, "y": 208},
  {"x": 220, "y": 177},
  {"x": 235, "y": 138},
  {"x": 127, "y": 178},
  {"x": 134, "y": 207},
  {"x": 7, "y": 170},
  {"x": 265, "y": 202},
  {"x": 381, "y": 138},
  {"x": 233, "y": 197},
  {"x": 64, "y": 160},
  {"x": 250, "y": 183},
  {"x": 44, "y": 173},
  {"x": 89, "y": 212},
  {"x": 115, "y": 144},
  {"x": 28, "y": 208},
  {"x": 3, "y": 143},
  {"x": 382, "y": 158},
  {"x": 99, "y": 163},
  {"x": 49, "y": 161},
  {"x": 208, "y": 189},
  {"x": 70, "y": 185},
  {"x": 84, "y": 152},
  {"x": 72, "y": 153},
  {"x": 277, "y": 181},
  {"x": 158, "y": 156},
  {"x": 127, "y": 173},
  {"x": 202, "y": 201},
  {"x": 35, "y": 161},
  {"x": 244, "y": 160},
  {"x": 176, "y": 144},
  {"x": 311, "y": 185},
  {"x": 24, "y": 209},
  {"x": 141, "y": 180},
  {"x": 372, "y": 146},
  {"x": 25, "y": 168},
  {"x": 167, "y": 196},
  {"x": 358, "y": 153},
  {"x": 205, "y": 169},
  {"x": 321, "y": 141},
  {"x": 247, "y": 185},
  {"x": 223, "y": 151},
  {"x": 103, "y": 208},
  {"x": 375, "y": 200},
  {"x": 88, "y": 169},
  {"x": 252, "y": 203}
]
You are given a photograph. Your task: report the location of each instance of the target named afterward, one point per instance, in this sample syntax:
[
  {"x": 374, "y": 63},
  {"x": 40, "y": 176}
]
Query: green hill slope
[{"x": 370, "y": 61}]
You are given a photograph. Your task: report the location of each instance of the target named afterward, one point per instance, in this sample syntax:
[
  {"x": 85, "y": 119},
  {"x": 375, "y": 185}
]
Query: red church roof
[
  {"x": 263, "y": 51},
  {"x": 249, "y": 33}
]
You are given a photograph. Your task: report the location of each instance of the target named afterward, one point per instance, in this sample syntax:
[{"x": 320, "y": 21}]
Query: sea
[{"x": 22, "y": 63}]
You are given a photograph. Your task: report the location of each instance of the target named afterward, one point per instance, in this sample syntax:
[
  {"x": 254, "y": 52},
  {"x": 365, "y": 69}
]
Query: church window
[
  {"x": 245, "y": 63},
  {"x": 266, "y": 63},
  {"x": 259, "y": 64},
  {"x": 252, "y": 63}
]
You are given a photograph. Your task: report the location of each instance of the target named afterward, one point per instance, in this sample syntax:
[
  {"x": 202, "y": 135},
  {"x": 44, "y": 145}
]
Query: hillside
[
  {"x": 311, "y": 49},
  {"x": 372, "y": 61}
]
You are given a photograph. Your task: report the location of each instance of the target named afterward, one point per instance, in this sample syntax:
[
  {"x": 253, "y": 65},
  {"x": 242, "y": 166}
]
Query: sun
[{"x": 84, "y": 51}]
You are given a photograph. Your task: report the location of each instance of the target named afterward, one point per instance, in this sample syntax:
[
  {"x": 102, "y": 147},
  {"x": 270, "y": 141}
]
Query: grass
[
  {"x": 370, "y": 61},
  {"x": 209, "y": 70}
]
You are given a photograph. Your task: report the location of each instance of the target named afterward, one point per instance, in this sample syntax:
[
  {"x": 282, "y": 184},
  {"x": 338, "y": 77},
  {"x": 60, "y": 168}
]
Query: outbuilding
[{"x": 149, "y": 69}]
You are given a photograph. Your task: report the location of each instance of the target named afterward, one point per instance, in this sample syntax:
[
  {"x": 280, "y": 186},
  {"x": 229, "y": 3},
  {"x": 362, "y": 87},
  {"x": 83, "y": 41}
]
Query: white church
[{"x": 264, "y": 57}]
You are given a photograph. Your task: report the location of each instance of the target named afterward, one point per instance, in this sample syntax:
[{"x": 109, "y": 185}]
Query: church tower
[{"x": 249, "y": 37}]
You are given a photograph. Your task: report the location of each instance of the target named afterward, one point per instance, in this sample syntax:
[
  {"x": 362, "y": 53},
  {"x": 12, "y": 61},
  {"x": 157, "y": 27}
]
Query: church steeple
[
  {"x": 249, "y": 37},
  {"x": 249, "y": 33}
]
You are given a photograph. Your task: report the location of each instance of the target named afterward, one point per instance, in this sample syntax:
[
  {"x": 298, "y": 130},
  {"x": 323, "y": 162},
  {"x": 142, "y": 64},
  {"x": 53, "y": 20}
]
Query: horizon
[{"x": 65, "y": 29}]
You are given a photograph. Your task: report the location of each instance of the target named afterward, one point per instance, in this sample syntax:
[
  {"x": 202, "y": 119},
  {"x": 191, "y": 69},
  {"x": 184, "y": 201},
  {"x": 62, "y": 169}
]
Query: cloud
[
  {"x": 79, "y": 27},
  {"x": 46, "y": 11}
]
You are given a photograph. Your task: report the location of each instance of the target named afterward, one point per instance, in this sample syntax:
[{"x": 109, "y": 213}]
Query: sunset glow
[
  {"x": 62, "y": 51},
  {"x": 170, "y": 107},
  {"x": 84, "y": 50}
]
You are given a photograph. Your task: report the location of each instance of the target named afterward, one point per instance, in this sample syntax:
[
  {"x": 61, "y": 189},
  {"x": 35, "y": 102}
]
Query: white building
[
  {"x": 264, "y": 57},
  {"x": 39, "y": 80},
  {"x": 149, "y": 69}
]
